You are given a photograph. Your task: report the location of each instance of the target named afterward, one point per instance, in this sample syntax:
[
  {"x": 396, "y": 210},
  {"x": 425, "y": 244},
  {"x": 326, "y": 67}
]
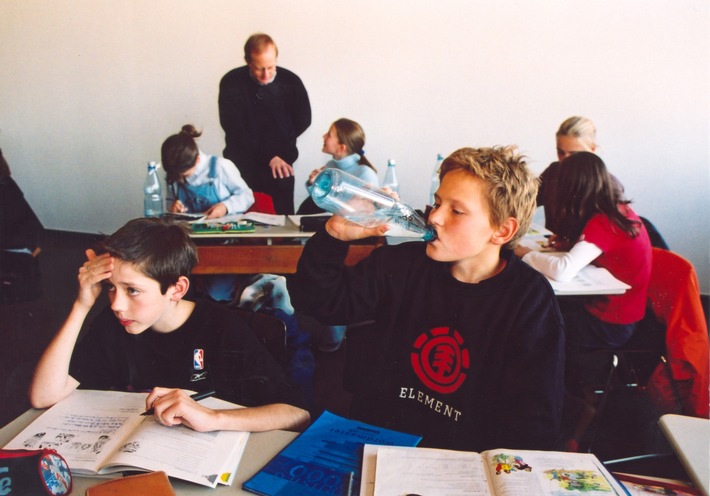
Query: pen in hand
[{"x": 196, "y": 397}]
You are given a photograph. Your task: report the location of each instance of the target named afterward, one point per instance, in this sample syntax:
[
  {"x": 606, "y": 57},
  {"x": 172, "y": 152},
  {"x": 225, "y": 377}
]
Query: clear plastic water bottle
[
  {"x": 360, "y": 202},
  {"x": 391, "y": 177},
  {"x": 152, "y": 193},
  {"x": 435, "y": 178}
]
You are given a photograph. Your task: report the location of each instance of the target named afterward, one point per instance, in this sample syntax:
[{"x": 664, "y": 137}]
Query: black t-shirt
[{"x": 213, "y": 349}]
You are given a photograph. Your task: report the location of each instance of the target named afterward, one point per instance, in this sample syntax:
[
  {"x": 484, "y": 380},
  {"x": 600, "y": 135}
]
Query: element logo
[{"x": 439, "y": 360}]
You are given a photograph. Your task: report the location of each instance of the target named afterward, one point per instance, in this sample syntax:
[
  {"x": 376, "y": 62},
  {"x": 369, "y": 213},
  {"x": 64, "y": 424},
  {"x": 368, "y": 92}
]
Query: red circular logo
[{"x": 439, "y": 359}]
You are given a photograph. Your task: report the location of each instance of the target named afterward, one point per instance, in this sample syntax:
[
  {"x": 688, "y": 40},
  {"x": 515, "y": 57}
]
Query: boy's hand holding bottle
[{"x": 344, "y": 230}]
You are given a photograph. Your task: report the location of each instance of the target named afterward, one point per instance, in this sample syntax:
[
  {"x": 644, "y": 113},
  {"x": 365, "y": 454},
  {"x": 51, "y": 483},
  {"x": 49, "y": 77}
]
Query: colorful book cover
[{"x": 326, "y": 458}]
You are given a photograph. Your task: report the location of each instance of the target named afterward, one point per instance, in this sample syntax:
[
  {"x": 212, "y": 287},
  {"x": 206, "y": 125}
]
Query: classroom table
[
  {"x": 276, "y": 249},
  {"x": 260, "y": 448},
  {"x": 270, "y": 249},
  {"x": 589, "y": 281}
]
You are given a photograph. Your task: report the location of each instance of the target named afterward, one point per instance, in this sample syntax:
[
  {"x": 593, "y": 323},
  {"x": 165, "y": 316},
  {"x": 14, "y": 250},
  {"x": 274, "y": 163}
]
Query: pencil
[
  {"x": 196, "y": 397},
  {"x": 350, "y": 484}
]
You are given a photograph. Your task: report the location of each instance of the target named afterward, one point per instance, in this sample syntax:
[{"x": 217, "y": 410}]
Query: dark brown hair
[
  {"x": 179, "y": 152},
  {"x": 585, "y": 188},
  {"x": 160, "y": 249}
]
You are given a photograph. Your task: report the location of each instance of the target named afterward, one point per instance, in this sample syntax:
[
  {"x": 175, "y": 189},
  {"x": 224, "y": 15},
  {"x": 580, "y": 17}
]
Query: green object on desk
[{"x": 223, "y": 227}]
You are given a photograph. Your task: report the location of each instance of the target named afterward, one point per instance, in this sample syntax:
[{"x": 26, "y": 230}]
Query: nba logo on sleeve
[{"x": 198, "y": 359}]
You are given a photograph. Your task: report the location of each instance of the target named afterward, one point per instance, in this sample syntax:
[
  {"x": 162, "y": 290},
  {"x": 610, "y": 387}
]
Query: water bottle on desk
[
  {"x": 152, "y": 193},
  {"x": 435, "y": 178},
  {"x": 391, "y": 177},
  {"x": 359, "y": 202}
]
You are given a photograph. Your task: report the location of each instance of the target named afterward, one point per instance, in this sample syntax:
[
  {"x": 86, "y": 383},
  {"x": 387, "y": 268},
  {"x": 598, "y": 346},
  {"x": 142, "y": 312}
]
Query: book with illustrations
[
  {"x": 103, "y": 432},
  {"x": 324, "y": 459},
  {"x": 495, "y": 472}
]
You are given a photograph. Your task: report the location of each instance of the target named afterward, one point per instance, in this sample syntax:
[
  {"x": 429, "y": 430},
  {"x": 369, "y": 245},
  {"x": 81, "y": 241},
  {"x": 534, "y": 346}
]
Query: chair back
[
  {"x": 654, "y": 234},
  {"x": 270, "y": 331},
  {"x": 674, "y": 297},
  {"x": 263, "y": 204}
]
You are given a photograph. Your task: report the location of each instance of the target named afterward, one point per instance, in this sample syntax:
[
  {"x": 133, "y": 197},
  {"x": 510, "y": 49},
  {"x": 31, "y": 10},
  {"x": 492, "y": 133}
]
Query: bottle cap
[{"x": 322, "y": 184}]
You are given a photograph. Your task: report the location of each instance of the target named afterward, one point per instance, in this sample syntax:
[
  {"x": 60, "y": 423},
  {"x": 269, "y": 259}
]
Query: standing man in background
[{"x": 263, "y": 109}]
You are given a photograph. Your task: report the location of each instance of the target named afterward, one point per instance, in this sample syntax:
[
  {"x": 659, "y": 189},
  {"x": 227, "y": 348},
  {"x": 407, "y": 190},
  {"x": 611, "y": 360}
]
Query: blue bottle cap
[{"x": 322, "y": 185}]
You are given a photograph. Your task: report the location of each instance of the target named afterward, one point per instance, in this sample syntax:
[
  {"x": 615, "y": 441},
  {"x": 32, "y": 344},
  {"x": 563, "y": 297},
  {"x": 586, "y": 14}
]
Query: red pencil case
[{"x": 34, "y": 472}]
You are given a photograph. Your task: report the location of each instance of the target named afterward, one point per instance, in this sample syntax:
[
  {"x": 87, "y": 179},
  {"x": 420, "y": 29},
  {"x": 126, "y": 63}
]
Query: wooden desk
[
  {"x": 271, "y": 259},
  {"x": 260, "y": 448},
  {"x": 271, "y": 249}
]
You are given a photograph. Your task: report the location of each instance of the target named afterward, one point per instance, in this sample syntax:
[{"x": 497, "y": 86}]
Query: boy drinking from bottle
[
  {"x": 151, "y": 339},
  {"x": 469, "y": 345}
]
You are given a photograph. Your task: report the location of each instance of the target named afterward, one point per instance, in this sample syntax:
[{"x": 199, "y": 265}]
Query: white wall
[{"x": 89, "y": 89}]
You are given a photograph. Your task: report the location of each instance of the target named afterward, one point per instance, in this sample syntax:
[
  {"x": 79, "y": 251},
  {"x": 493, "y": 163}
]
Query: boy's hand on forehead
[
  {"x": 96, "y": 269},
  {"x": 344, "y": 230}
]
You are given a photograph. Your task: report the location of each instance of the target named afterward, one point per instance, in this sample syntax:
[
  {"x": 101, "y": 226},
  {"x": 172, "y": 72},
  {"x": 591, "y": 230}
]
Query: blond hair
[
  {"x": 581, "y": 128},
  {"x": 510, "y": 186}
]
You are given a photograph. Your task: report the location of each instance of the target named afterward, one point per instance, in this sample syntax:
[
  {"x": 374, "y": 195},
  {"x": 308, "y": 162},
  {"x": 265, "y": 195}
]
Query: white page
[
  {"x": 368, "y": 471},
  {"x": 431, "y": 472},
  {"x": 232, "y": 460},
  {"x": 85, "y": 427},
  {"x": 199, "y": 457},
  {"x": 590, "y": 280},
  {"x": 296, "y": 219}
]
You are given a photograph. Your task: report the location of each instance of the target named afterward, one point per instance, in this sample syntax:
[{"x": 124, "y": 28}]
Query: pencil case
[
  {"x": 223, "y": 227},
  {"x": 36, "y": 472}
]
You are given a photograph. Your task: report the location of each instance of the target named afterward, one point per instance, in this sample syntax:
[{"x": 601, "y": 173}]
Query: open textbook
[
  {"x": 590, "y": 280},
  {"x": 103, "y": 432},
  {"x": 435, "y": 472}
]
